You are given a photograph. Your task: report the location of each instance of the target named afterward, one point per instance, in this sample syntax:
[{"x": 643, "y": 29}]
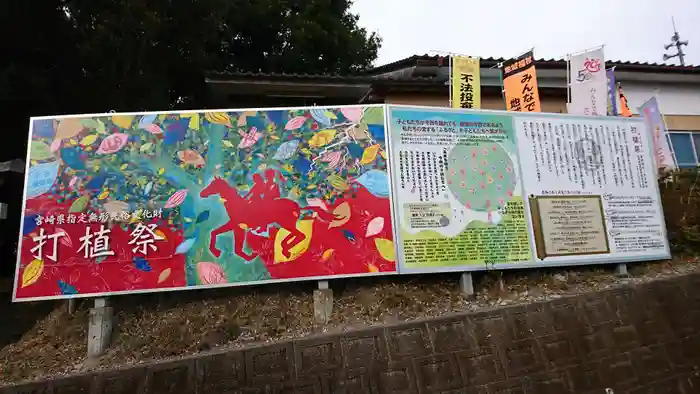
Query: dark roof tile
[
  {"x": 411, "y": 61},
  {"x": 287, "y": 76},
  {"x": 375, "y": 74}
]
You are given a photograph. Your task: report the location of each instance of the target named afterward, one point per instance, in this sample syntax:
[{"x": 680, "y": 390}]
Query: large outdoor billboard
[
  {"x": 119, "y": 203},
  {"x": 127, "y": 203}
]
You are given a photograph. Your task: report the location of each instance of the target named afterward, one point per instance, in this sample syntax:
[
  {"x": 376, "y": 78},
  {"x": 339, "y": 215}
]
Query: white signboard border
[{"x": 573, "y": 261}]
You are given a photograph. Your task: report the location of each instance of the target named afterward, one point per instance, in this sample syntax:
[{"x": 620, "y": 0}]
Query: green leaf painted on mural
[
  {"x": 40, "y": 151},
  {"x": 100, "y": 127},
  {"x": 373, "y": 115},
  {"x": 79, "y": 205},
  {"x": 89, "y": 123},
  {"x": 146, "y": 147}
]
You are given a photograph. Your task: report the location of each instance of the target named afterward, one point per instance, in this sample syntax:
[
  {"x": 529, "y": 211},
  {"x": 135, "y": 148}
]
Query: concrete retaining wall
[{"x": 643, "y": 339}]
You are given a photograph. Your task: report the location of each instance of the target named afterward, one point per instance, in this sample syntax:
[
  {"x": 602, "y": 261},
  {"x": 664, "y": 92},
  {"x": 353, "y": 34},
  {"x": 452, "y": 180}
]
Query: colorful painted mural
[{"x": 150, "y": 202}]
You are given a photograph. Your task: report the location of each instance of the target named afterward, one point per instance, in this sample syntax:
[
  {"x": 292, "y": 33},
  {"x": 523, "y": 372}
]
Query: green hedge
[{"x": 680, "y": 196}]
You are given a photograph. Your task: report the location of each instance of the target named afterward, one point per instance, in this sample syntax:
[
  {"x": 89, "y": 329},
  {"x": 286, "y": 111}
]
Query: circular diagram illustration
[{"x": 481, "y": 177}]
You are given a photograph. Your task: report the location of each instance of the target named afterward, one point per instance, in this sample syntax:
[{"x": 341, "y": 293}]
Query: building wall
[
  {"x": 674, "y": 99},
  {"x": 680, "y": 104},
  {"x": 683, "y": 122}
]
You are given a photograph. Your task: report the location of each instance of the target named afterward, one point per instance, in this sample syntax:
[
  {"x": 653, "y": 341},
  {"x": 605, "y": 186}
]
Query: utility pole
[{"x": 676, "y": 42}]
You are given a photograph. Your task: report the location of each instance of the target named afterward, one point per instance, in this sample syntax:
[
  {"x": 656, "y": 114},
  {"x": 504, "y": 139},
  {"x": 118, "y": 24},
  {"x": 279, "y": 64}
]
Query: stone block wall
[{"x": 641, "y": 339}]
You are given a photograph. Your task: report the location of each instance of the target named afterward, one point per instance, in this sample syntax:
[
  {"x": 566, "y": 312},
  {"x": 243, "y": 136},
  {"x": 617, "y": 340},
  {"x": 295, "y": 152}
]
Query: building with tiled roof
[{"x": 424, "y": 80}]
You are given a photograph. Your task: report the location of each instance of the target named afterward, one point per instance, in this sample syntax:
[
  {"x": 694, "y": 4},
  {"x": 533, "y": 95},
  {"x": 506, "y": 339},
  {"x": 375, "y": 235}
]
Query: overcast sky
[{"x": 634, "y": 30}]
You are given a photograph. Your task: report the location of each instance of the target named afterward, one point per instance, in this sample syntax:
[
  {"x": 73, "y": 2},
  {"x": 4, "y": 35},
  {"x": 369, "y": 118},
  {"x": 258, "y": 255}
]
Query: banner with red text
[{"x": 588, "y": 83}]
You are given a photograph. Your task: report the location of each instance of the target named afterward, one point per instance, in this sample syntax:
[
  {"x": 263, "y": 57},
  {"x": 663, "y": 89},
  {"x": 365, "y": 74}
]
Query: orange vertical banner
[
  {"x": 520, "y": 84},
  {"x": 624, "y": 107}
]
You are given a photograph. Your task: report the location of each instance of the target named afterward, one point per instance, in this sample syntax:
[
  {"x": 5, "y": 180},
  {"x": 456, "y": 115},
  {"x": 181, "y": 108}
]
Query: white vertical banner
[{"x": 588, "y": 83}]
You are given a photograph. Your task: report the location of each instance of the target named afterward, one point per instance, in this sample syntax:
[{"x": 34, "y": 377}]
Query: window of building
[{"x": 685, "y": 148}]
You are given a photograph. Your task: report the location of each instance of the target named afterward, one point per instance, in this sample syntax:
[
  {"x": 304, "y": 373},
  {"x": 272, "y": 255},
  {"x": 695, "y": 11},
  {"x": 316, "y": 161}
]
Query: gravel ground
[{"x": 172, "y": 325}]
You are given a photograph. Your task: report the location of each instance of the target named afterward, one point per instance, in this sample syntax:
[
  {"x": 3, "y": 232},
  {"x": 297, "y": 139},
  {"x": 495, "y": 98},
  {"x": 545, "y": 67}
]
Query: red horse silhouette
[{"x": 257, "y": 213}]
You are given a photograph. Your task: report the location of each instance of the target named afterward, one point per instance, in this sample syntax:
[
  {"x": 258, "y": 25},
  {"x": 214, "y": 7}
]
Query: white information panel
[{"x": 476, "y": 190}]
